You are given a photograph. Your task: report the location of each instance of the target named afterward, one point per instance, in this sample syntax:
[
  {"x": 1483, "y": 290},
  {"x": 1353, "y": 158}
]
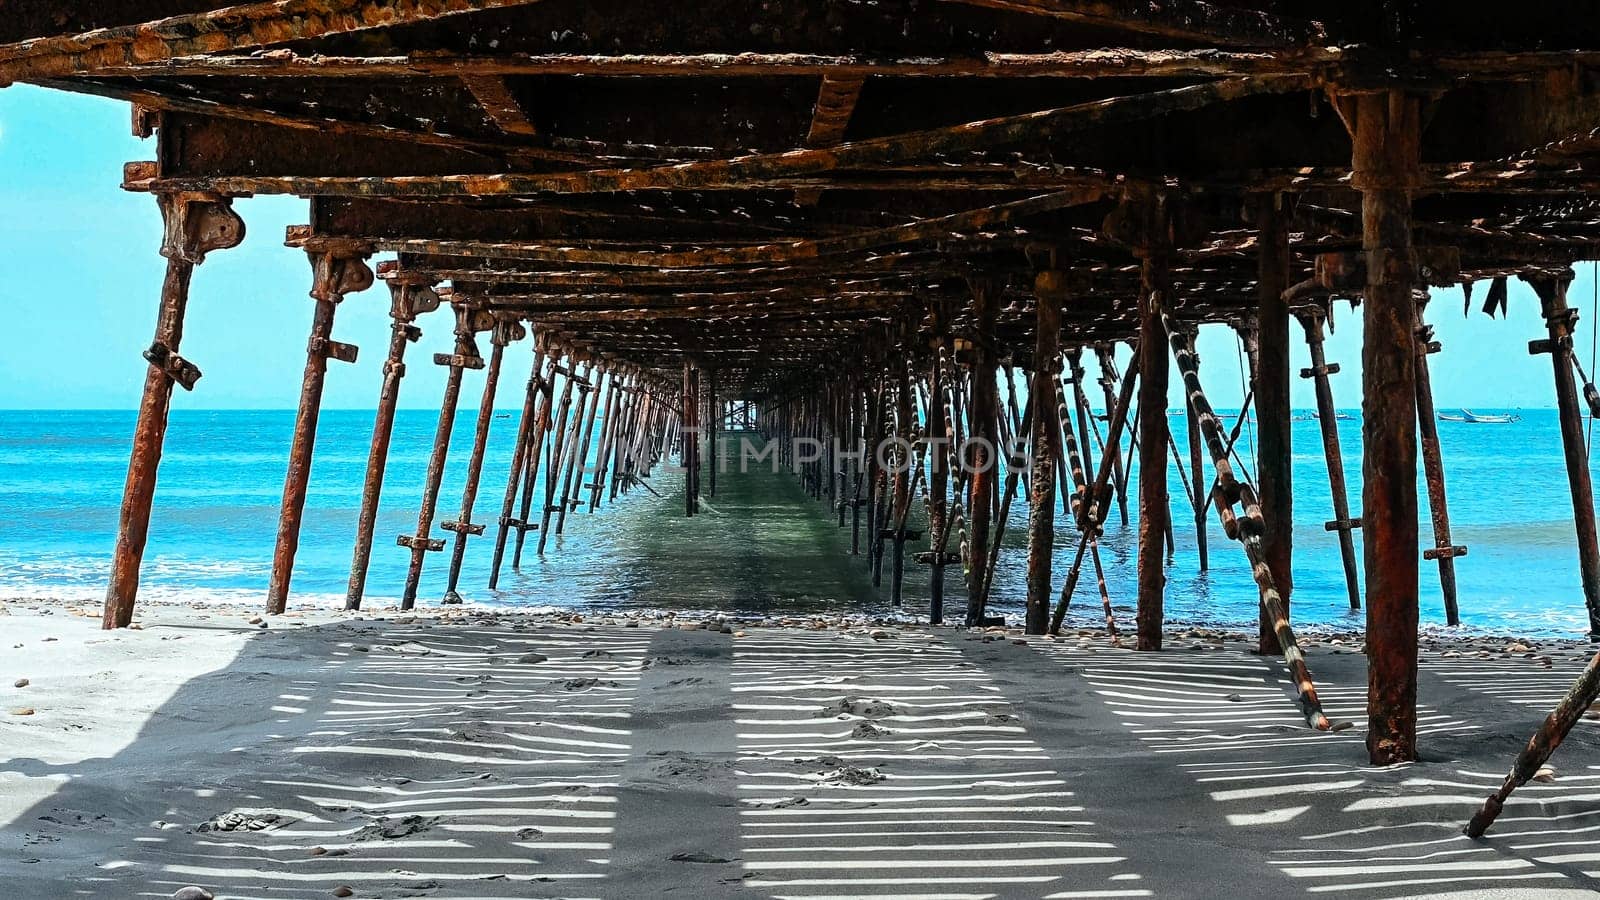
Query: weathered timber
[{"x": 1386, "y": 132}]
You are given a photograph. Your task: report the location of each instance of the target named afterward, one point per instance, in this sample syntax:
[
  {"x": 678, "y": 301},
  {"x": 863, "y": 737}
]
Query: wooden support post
[
  {"x": 549, "y": 424},
  {"x": 1154, "y": 513},
  {"x": 1560, "y": 320},
  {"x": 1049, "y": 288},
  {"x": 573, "y": 481},
  {"x": 506, "y": 331},
  {"x": 1245, "y": 525},
  {"x": 690, "y": 450},
  {"x": 535, "y": 410},
  {"x": 338, "y": 267},
  {"x": 468, "y": 321},
  {"x": 1328, "y": 423},
  {"x": 1098, "y": 495},
  {"x": 568, "y": 421},
  {"x": 983, "y": 441},
  {"x": 1544, "y": 742},
  {"x": 1270, "y": 385},
  {"x": 1386, "y": 129},
  {"x": 1444, "y": 550},
  {"x": 1198, "y": 499},
  {"x": 1108, "y": 386},
  {"x": 193, "y": 225},
  {"x": 905, "y": 429},
  {"x": 938, "y": 472},
  {"x": 407, "y": 302},
  {"x": 712, "y": 420}
]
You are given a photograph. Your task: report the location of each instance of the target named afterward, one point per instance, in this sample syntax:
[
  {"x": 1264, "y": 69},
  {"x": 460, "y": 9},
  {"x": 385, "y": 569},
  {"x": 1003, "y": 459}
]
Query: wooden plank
[
  {"x": 494, "y": 96},
  {"x": 242, "y": 27},
  {"x": 836, "y": 102},
  {"x": 1189, "y": 20}
]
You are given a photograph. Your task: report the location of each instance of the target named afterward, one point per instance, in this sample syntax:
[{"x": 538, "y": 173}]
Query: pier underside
[{"x": 945, "y": 258}]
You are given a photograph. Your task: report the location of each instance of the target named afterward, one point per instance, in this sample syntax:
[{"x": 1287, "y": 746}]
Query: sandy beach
[{"x": 479, "y": 753}]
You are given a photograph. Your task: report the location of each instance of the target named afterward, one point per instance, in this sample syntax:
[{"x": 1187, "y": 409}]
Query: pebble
[
  {"x": 193, "y": 893},
  {"x": 22, "y": 711},
  {"x": 1546, "y": 774},
  {"x": 21, "y": 682},
  {"x": 255, "y": 620},
  {"x": 344, "y": 890}
]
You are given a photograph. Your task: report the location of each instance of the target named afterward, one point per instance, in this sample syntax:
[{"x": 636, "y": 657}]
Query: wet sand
[{"x": 476, "y": 753}]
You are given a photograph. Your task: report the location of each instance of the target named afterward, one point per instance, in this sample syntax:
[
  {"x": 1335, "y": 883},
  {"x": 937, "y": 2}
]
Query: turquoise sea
[{"x": 61, "y": 476}]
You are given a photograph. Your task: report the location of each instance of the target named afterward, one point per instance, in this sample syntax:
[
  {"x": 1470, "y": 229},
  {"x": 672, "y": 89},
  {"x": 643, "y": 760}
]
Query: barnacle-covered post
[
  {"x": 470, "y": 319},
  {"x": 193, "y": 224},
  {"x": 338, "y": 267},
  {"x": 506, "y": 331},
  {"x": 408, "y": 299}
]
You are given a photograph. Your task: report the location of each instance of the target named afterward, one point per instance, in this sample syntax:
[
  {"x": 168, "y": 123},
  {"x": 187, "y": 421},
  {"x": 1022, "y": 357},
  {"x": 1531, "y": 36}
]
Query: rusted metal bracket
[
  {"x": 431, "y": 545},
  {"x": 458, "y": 360},
  {"x": 175, "y": 367},
  {"x": 1342, "y": 524},
  {"x": 1445, "y": 552},
  {"x": 331, "y": 349},
  {"x": 195, "y": 224},
  {"x": 461, "y": 527}
]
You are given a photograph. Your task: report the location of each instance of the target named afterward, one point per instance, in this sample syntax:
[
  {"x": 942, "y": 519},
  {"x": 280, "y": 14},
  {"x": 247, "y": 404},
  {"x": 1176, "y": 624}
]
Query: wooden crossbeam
[
  {"x": 1101, "y": 63},
  {"x": 494, "y": 97},
  {"x": 767, "y": 168},
  {"x": 836, "y": 102},
  {"x": 1189, "y": 20},
  {"x": 242, "y": 27}
]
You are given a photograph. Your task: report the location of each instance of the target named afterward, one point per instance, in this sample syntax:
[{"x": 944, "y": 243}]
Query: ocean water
[{"x": 215, "y": 519}]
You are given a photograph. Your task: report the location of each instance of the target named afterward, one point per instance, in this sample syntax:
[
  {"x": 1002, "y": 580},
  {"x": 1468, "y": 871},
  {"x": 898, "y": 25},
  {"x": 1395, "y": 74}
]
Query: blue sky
[{"x": 84, "y": 273}]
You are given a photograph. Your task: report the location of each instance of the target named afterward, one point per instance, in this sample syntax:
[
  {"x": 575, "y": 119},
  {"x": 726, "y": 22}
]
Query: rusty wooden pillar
[
  {"x": 1154, "y": 512},
  {"x": 568, "y": 422},
  {"x": 905, "y": 430},
  {"x": 407, "y": 301},
  {"x": 535, "y": 410},
  {"x": 1106, "y": 355},
  {"x": 1386, "y": 129},
  {"x": 549, "y": 423},
  {"x": 338, "y": 267},
  {"x": 1342, "y": 522},
  {"x": 193, "y": 225},
  {"x": 982, "y": 441},
  {"x": 469, "y": 320},
  {"x": 1444, "y": 549},
  {"x": 690, "y": 450},
  {"x": 712, "y": 419},
  {"x": 1275, "y": 468},
  {"x": 578, "y": 444},
  {"x": 1560, "y": 320},
  {"x": 1200, "y": 501},
  {"x": 506, "y": 331},
  {"x": 1049, "y": 289},
  {"x": 939, "y": 469}
]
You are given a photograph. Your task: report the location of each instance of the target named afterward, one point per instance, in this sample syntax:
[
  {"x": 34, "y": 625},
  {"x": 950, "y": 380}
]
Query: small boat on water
[
  {"x": 1471, "y": 418},
  {"x": 1340, "y": 416}
]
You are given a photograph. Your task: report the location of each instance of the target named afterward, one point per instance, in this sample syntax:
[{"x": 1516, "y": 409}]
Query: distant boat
[
  {"x": 1472, "y": 418},
  {"x": 1342, "y": 417}
]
